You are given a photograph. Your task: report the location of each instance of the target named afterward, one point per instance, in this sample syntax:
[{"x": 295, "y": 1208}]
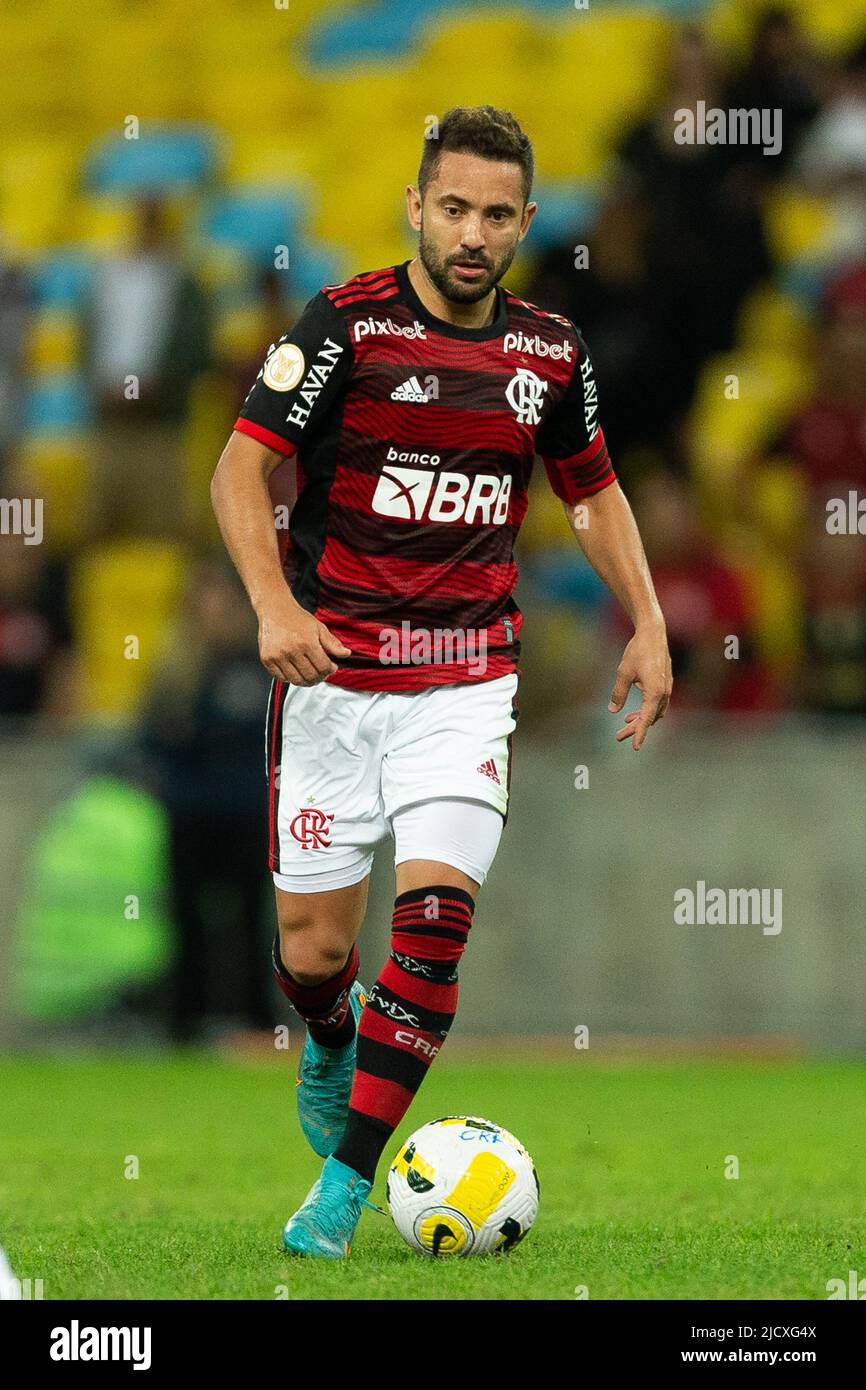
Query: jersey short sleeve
[
  {"x": 303, "y": 376},
  {"x": 571, "y": 441}
]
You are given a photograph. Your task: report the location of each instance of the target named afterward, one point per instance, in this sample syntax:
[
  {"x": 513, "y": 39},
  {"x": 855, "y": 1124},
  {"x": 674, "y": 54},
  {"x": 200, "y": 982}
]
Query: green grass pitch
[{"x": 631, "y": 1155}]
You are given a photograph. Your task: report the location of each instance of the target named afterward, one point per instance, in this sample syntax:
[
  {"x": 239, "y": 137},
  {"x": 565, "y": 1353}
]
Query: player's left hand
[{"x": 646, "y": 663}]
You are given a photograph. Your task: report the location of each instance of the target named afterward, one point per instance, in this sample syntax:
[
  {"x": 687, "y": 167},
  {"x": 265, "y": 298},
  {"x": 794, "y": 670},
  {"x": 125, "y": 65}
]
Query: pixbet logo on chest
[
  {"x": 536, "y": 346},
  {"x": 416, "y": 495},
  {"x": 370, "y": 327}
]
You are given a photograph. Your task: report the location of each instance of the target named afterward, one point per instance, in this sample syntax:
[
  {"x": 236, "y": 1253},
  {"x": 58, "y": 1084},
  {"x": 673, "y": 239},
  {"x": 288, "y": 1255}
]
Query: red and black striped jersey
[{"x": 414, "y": 441}]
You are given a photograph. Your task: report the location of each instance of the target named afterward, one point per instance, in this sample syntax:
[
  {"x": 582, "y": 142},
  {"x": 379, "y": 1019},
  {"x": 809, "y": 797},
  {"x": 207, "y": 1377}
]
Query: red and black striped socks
[
  {"x": 406, "y": 1018},
  {"x": 323, "y": 1007}
]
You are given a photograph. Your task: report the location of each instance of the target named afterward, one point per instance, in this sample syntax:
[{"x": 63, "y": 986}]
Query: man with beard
[{"x": 413, "y": 401}]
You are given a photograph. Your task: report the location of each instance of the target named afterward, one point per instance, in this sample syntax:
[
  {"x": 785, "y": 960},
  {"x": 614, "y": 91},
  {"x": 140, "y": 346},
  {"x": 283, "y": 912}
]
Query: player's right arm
[
  {"x": 293, "y": 645},
  {"x": 301, "y": 381}
]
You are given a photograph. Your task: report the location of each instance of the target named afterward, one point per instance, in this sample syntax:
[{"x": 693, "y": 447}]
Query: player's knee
[
  {"x": 309, "y": 957},
  {"x": 430, "y": 930}
]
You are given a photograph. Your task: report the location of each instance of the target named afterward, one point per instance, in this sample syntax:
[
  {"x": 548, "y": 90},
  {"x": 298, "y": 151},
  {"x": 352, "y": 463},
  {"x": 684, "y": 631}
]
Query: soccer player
[{"x": 413, "y": 401}]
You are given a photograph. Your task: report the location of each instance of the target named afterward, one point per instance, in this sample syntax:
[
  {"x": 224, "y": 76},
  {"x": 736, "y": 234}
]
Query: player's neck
[{"x": 478, "y": 315}]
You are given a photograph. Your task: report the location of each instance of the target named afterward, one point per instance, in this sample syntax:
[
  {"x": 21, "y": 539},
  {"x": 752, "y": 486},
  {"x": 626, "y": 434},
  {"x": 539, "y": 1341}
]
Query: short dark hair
[{"x": 487, "y": 131}]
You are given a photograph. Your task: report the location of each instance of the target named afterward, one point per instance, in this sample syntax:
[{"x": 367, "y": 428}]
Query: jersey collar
[{"x": 452, "y": 330}]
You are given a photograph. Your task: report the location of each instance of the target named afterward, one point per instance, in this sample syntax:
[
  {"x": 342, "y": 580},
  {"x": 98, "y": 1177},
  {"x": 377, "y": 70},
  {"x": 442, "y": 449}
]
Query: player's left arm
[
  {"x": 607, "y": 532},
  {"x": 572, "y": 446}
]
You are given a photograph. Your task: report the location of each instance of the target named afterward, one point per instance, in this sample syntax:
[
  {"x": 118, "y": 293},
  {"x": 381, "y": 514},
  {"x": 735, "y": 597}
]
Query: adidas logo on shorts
[
  {"x": 410, "y": 390},
  {"x": 489, "y": 770}
]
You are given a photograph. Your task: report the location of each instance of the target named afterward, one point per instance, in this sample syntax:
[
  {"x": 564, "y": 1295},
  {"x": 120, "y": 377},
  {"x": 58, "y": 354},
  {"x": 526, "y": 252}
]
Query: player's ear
[
  {"x": 528, "y": 213},
  {"x": 413, "y": 207}
]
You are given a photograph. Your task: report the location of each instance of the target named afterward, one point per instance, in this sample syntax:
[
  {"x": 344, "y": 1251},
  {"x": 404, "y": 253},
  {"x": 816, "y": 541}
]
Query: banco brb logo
[
  {"x": 524, "y": 394},
  {"x": 415, "y": 495}
]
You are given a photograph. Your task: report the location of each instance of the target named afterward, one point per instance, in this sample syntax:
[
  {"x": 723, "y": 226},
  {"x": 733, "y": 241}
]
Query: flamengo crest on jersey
[
  {"x": 524, "y": 393},
  {"x": 415, "y": 441}
]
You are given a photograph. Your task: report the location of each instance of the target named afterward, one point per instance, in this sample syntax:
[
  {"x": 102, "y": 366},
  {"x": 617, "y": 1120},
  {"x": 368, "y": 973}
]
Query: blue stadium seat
[
  {"x": 58, "y": 404},
  {"x": 164, "y": 158},
  {"x": 61, "y": 279},
  {"x": 313, "y": 267},
  {"x": 563, "y": 576},
  {"x": 343, "y": 37},
  {"x": 803, "y": 280},
  {"x": 255, "y": 223},
  {"x": 564, "y": 211}
]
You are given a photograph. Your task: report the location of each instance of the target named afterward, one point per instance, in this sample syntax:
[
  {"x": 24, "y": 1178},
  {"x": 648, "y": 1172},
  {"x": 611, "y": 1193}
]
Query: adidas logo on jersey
[
  {"x": 489, "y": 770},
  {"x": 410, "y": 390}
]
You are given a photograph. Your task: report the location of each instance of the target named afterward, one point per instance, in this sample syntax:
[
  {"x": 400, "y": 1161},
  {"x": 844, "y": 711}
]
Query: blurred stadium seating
[
  {"x": 262, "y": 127},
  {"x": 299, "y": 127}
]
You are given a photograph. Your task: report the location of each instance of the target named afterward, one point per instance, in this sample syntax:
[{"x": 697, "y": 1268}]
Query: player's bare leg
[
  {"x": 415, "y": 873},
  {"x": 318, "y": 930},
  {"x": 316, "y": 964}
]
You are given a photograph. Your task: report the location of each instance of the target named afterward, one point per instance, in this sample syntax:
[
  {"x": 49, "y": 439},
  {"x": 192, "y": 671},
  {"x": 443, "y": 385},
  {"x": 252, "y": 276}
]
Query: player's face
[{"x": 470, "y": 224}]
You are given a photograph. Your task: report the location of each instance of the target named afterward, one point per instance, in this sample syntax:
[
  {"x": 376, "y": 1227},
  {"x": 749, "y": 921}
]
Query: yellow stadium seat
[
  {"x": 727, "y": 429},
  {"x": 545, "y": 523},
  {"x": 506, "y": 37},
  {"x": 364, "y": 115},
  {"x": 220, "y": 266},
  {"x": 779, "y": 500},
  {"x": 53, "y": 341},
  {"x": 796, "y": 223},
  {"x": 776, "y": 603},
  {"x": 212, "y": 415},
  {"x": 256, "y": 158},
  {"x": 56, "y": 469},
  {"x": 37, "y": 179},
  {"x": 144, "y": 66},
  {"x": 771, "y": 319},
  {"x": 249, "y": 99},
  {"x": 832, "y": 25},
  {"x": 590, "y": 48},
  {"x": 101, "y": 224},
  {"x": 124, "y": 597},
  {"x": 360, "y": 208}
]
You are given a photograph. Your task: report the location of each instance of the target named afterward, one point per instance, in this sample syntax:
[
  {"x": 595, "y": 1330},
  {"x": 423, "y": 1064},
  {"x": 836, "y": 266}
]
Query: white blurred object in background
[{"x": 9, "y": 1286}]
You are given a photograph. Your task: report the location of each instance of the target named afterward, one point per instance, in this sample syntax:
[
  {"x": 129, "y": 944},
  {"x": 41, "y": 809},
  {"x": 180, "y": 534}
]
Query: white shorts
[{"x": 343, "y": 763}]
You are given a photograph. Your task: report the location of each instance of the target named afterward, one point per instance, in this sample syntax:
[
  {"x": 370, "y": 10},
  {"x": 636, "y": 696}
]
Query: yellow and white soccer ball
[{"x": 462, "y": 1186}]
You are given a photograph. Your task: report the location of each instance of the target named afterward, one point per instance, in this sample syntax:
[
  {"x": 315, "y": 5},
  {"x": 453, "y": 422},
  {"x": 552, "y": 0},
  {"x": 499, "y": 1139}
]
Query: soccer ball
[{"x": 462, "y": 1186}]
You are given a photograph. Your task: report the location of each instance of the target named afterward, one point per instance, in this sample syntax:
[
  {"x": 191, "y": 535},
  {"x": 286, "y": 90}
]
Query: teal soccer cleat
[
  {"x": 324, "y": 1226},
  {"x": 324, "y": 1084}
]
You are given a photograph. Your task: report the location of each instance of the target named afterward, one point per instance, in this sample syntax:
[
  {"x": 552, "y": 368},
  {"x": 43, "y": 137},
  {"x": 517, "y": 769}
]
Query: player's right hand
[{"x": 295, "y": 647}]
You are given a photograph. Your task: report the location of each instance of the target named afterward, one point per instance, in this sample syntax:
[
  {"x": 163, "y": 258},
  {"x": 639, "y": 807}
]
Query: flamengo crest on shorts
[
  {"x": 310, "y": 828},
  {"x": 342, "y": 763}
]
